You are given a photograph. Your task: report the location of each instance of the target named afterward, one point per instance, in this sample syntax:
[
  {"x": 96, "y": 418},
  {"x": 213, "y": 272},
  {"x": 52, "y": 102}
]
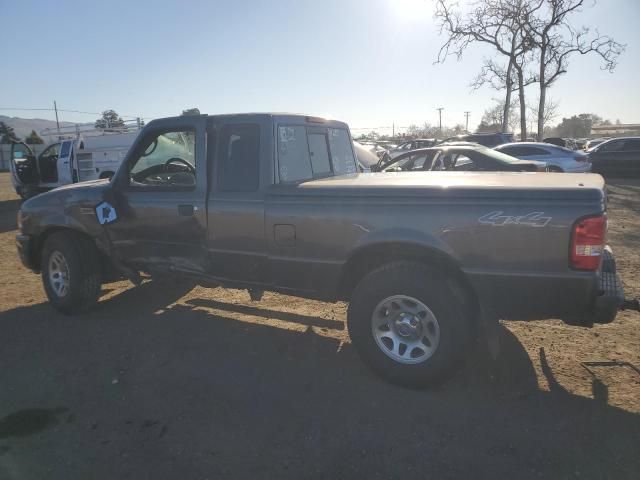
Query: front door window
[{"x": 166, "y": 160}]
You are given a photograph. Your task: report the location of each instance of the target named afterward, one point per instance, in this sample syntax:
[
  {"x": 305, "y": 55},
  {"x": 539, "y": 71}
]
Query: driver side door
[{"x": 159, "y": 199}]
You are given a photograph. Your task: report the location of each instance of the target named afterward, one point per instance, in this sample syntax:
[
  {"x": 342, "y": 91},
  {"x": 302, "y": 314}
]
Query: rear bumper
[
  {"x": 578, "y": 298},
  {"x": 24, "y": 244},
  {"x": 579, "y": 167},
  {"x": 610, "y": 293}
]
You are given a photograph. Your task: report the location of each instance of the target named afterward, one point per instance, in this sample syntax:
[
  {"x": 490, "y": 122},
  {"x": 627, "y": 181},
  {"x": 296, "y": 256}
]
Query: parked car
[
  {"x": 558, "y": 159},
  {"x": 595, "y": 142},
  {"x": 459, "y": 143},
  {"x": 365, "y": 157},
  {"x": 486, "y": 139},
  {"x": 557, "y": 141},
  {"x": 378, "y": 150},
  {"x": 581, "y": 143},
  {"x": 458, "y": 158},
  {"x": 410, "y": 145},
  {"x": 274, "y": 202},
  {"x": 89, "y": 155},
  {"x": 618, "y": 157}
]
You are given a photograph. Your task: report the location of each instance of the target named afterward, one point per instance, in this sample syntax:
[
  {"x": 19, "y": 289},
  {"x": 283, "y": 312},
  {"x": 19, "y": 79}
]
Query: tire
[
  {"x": 412, "y": 286},
  {"x": 78, "y": 256},
  {"x": 555, "y": 169}
]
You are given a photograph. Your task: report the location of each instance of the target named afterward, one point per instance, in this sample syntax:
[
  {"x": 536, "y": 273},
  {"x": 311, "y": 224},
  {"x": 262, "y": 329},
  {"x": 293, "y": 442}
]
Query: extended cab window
[
  {"x": 342, "y": 158},
  {"x": 238, "y": 158},
  {"x": 309, "y": 152},
  {"x": 615, "y": 146},
  {"x": 167, "y": 159}
]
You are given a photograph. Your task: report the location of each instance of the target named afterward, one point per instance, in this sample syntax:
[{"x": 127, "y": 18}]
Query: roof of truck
[{"x": 279, "y": 116}]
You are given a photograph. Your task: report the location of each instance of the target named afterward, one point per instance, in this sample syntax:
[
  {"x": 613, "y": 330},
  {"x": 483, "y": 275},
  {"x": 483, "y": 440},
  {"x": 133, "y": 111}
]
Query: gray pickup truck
[{"x": 427, "y": 260}]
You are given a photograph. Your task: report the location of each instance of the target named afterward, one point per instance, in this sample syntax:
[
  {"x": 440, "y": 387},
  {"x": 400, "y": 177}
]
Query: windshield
[{"x": 412, "y": 161}]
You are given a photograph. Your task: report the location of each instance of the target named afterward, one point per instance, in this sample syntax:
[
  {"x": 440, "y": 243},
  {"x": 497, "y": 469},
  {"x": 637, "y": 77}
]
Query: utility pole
[
  {"x": 393, "y": 130},
  {"x": 55, "y": 107},
  {"x": 440, "y": 113},
  {"x": 466, "y": 114}
]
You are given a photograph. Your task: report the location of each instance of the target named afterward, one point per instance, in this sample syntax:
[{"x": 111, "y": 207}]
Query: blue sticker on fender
[{"x": 106, "y": 213}]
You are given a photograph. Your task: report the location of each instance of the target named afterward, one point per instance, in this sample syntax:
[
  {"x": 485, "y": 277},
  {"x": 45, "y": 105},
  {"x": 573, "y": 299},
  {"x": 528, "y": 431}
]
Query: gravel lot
[{"x": 162, "y": 383}]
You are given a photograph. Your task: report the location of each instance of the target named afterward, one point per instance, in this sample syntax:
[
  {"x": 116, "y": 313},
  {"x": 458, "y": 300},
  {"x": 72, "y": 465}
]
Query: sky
[{"x": 367, "y": 62}]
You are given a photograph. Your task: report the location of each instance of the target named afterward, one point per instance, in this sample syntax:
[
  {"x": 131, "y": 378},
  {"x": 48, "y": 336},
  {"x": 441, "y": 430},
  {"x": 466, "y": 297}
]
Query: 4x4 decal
[{"x": 498, "y": 219}]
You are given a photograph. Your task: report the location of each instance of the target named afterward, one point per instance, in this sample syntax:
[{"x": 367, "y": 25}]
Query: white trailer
[{"x": 80, "y": 153}]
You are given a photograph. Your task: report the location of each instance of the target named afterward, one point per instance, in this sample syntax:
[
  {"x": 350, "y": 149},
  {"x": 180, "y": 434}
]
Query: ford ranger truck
[{"x": 274, "y": 202}]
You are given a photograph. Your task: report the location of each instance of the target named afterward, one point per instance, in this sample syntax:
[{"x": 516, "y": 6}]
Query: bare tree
[
  {"x": 548, "y": 26},
  {"x": 500, "y": 24},
  {"x": 549, "y": 114}
]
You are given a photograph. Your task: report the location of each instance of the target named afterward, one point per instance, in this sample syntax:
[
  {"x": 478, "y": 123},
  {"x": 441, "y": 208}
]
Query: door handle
[{"x": 186, "y": 210}]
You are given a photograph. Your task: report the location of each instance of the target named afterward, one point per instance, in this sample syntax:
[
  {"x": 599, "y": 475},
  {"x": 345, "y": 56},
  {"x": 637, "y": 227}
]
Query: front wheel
[
  {"x": 410, "y": 323},
  {"x": 71, "y": 272}
]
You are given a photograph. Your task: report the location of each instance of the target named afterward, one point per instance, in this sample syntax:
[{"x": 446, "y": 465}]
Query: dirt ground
[{"x": 156, "y": 383}]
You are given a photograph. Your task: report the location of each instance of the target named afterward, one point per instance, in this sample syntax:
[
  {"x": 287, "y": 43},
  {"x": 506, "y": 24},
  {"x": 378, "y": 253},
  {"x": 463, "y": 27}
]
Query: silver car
[
  {"x": 411, "y": 145},
  {"x": 366, "y": 158},
  {"x": 558, "y": 159}
]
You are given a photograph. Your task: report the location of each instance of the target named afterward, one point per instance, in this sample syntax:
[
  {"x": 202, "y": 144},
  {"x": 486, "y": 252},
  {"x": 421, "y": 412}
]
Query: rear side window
[
  {"x": 341, "y": 152},
  {"x": 238, "y": 155},
  {"x": 294, "y": 161},
  {"x": 533, "y": 151},
  {"x": 632, "y": 145},
  {"x": 514, "y": 151},
  {"x": 615, "y": 146},
  {"x": 308, "y": 152},
  {"x": 319, "y": 153}
]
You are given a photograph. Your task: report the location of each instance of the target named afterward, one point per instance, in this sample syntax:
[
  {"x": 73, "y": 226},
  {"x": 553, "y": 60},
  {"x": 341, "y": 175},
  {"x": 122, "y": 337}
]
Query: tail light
[{"x": 587, "y": 242}]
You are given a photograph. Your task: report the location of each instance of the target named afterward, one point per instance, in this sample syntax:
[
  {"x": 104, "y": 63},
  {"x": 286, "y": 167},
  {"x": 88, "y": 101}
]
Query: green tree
[
  {"x": 578, "y": 126},
  {"x": 109, "y": 119},
  {"x": 33, "y": 139},
  {"x": 7, "y": 134},
  {"x": 191, "y": 111}
]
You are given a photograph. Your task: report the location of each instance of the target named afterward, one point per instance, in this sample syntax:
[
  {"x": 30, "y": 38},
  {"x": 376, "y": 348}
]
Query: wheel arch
[
  {"x": 370, "y": 257},
  {"x": 41, "y": 238}
]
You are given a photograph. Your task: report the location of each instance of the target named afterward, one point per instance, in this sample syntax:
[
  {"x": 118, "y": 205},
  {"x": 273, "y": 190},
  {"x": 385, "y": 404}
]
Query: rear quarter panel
[{"x": 513, "y": 240}]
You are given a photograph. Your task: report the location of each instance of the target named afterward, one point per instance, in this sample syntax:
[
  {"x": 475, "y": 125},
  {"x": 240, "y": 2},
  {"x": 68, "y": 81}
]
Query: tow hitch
[{"x": 630, "y": 304}]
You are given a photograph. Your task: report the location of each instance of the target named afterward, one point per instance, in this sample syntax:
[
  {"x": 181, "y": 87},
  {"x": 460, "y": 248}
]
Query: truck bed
[{"x": 582, "y": 186}]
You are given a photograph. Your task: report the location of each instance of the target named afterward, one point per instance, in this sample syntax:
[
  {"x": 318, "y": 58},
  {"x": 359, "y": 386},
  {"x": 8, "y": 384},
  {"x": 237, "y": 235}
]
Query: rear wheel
[
  {"x": 409, "y": 323},
  {"x": 71, "y": 272},
  {"x": 555, "y": 169}
]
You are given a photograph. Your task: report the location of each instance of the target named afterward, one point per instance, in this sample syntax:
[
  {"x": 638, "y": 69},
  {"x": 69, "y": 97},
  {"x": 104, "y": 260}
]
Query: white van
[{"x": 68, "y": 161}]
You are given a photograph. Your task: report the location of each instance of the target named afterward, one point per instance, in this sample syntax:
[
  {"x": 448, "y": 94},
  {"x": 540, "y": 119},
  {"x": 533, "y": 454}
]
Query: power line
[{"x": 68, "y": 111}]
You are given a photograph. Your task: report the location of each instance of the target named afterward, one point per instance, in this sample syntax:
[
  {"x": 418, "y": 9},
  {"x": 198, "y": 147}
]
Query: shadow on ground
[
  {"x": 8, "y": 212},
  {"x": 167, "y": 392}
]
